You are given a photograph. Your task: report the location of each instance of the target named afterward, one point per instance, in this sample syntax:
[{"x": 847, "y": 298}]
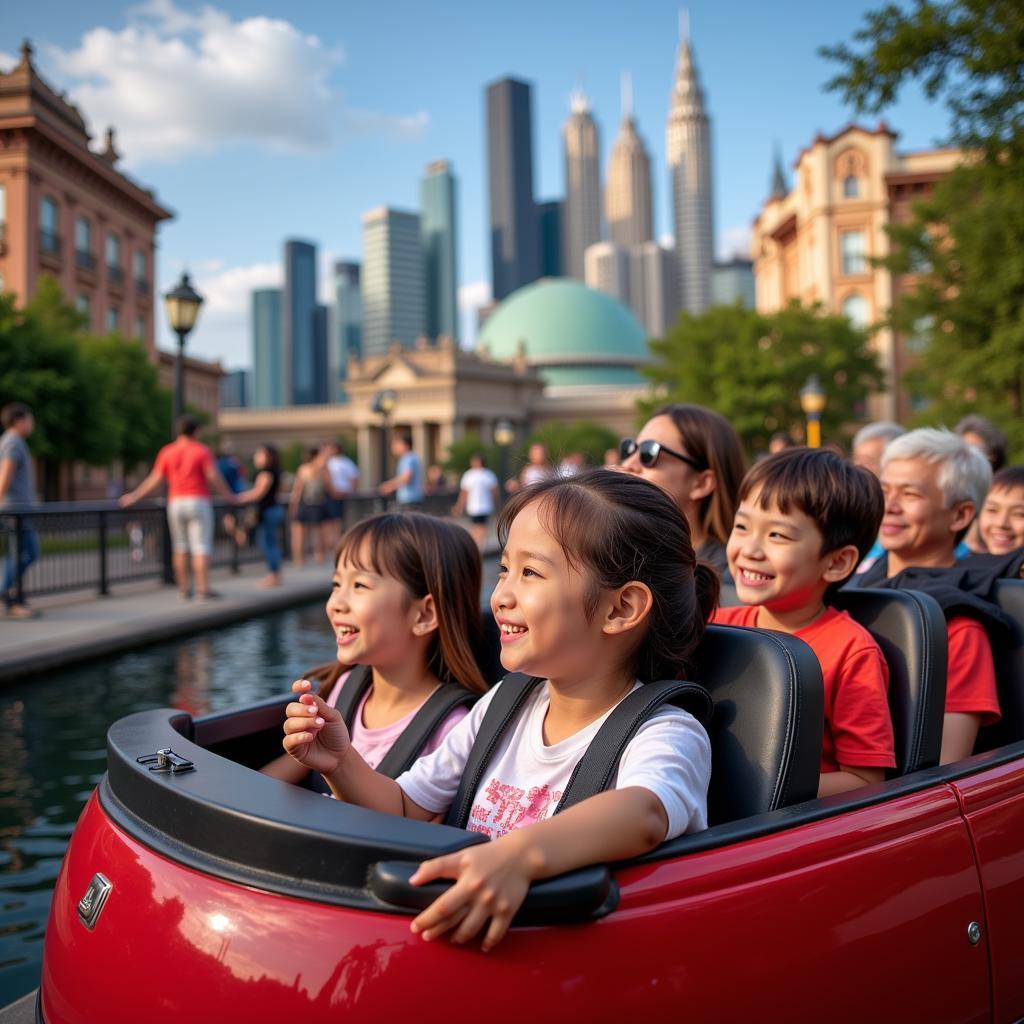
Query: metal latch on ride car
[{"x": 166, "y": 760}]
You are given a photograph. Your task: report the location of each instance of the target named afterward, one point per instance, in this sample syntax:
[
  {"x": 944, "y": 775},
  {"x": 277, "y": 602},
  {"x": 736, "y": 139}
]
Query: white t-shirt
[
  {"x": 480, "y": 484},
  {"x": 343, "y": 472},
  {"x": 670, "y": 755}
]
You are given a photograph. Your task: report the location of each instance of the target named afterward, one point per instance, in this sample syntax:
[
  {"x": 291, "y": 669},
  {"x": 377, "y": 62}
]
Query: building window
[
  {"x": 140, "y": 328},
  {"x": 83, "y": 244},
  {"x": 139, "y": 270},
  {"x": 855, "y": 309},
  {"x": 852, "y": 252},
  {"x": 113, "y": 318},
  {"x": 851, "y": 186},
  {"x": 49, "y": 213},
  {"x": 83, "y": 304}
]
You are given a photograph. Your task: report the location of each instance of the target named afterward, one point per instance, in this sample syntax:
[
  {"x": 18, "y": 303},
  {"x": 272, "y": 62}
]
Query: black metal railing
[
  {"x": 115, "y": 276},
  {"x": 85, "y": 259},
  {"x": 94, "y": 546},
  {"x": 49, "y": 242},
  {"x": 142, "y": 285}
]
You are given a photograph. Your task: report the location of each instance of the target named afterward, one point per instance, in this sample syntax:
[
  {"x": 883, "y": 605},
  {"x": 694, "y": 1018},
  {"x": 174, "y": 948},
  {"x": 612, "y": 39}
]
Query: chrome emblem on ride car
[{"x": 90, "y": 905}]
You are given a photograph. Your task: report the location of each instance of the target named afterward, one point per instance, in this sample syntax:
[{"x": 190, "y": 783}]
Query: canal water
[{"x": 53, "y": 745}]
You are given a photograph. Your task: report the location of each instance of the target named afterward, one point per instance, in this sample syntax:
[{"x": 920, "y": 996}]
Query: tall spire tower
[
  {"x": 688, "y": 144},
  {"x": 582, "y": 185},
  {"x": 627, "y": 195}
]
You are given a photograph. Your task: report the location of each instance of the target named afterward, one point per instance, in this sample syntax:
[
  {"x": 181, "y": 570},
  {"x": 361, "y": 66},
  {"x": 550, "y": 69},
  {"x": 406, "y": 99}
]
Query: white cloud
[
  {"x": 223, "y": 330},
  {"x": 7, "y": 61},
  {"x": 174, "y": 82},
  {"x": 734, "y": 241},
  {"x": 471, "y": 298}
]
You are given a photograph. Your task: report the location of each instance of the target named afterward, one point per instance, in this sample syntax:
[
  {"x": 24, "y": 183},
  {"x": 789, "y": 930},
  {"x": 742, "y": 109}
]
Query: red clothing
[
  {"x": 184, "y": 463},
  {"x": 858, "y": 727},
  {"x": 971, "y": 675}
]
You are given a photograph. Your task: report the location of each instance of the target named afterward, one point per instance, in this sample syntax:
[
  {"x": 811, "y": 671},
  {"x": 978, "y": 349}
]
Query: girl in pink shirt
[{"x": 405, "y": 600}]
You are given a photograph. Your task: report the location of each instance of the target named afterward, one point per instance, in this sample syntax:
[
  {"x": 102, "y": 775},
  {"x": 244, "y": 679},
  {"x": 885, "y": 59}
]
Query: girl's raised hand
[
  {"x": 314, "y": 733},
  {"x": 491, "y": 881}
]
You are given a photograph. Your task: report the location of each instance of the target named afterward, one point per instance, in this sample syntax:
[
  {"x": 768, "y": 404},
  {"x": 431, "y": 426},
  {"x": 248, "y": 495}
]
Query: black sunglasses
[{"x": 650, "y": 451}]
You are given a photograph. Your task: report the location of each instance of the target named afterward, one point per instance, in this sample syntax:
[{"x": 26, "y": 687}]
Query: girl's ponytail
[{"x": 709, "y": 588}]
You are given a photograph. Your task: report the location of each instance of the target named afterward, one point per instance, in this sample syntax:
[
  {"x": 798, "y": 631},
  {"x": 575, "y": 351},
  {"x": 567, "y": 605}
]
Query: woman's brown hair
[
  {"x": 616, "y": 528},
  {"x": 709, "y": 438},
  {"x": 428, "y": 556}
]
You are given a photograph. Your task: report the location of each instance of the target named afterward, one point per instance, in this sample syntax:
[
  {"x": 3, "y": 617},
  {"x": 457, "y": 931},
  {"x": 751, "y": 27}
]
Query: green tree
[
  {"x": 750, "y": 367},
  {"x": 966, "y": 241},
  {"x": 590, "y": 439},
  {"x": 462, "y": 448},
  {"x": 139, "y": 408},
  {"x": 293, "y": 456},
  {"x": 42, "y": 364}
]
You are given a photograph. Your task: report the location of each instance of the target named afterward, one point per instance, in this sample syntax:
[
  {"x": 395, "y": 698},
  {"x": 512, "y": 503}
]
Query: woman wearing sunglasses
[{"x": 695, "y": 455}]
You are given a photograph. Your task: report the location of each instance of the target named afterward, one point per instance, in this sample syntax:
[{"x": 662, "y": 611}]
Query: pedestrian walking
[
  {"x": 342, "y": 480},
  {"x": 407, "y": 483},
  {"x": 188, "y": 468},
  {"x": 307, "y": 507},
  {"x": 17, "y": 487},
  {"x": 269, "y": 514},
  {"x": 478, "y": 497}
]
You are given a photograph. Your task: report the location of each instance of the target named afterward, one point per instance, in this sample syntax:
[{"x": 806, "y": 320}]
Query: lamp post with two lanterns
[
  {"x": 182, "y": 305},
  {"x": 812, "y": 402}
]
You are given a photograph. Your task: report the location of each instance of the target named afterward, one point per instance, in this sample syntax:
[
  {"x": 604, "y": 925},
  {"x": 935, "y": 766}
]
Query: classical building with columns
[{"x": 554, "y": 350}]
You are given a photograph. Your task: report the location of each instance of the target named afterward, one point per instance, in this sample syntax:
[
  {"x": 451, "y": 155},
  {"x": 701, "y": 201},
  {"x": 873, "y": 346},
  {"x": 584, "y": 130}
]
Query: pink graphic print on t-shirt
[{"x": 503, "y": 809}]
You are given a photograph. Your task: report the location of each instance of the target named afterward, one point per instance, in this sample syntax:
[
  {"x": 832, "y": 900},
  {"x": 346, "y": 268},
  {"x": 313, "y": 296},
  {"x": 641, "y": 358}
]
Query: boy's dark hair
[
  {"x": 428, "y": 556},
  {"x": 844, "y": 500},
  {"x": 187, "y": 425},
  {"x": 1007, "y": 477},
  {"x": 12, "y": 412},
  {"x": 994, "y": 438},
  {"x": 616, "y": 527}
]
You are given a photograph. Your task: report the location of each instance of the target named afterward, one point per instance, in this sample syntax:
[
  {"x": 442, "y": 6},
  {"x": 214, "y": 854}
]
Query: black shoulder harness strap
[
  {"x": 503, "y": 710},
  {"x": 434, "y": 710},
  {"x": 600, "y": 762},
  {"x": 359, "y": 681}
]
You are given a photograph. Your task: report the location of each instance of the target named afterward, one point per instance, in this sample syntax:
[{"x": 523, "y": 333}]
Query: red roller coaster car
[{"x": 195, "y": 889}]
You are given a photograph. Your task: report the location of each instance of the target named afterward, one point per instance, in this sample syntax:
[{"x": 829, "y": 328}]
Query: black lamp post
[
  {"x": 384, "y": 403},
  {"x": 182, "y": 304},
  {"x": 812, "y": 402},
  {"x": 504, "y": 436}
]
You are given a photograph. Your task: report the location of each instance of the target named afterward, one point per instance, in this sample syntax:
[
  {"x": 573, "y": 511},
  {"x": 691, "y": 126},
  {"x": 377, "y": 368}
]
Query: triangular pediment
[{"x": 396, "y": 373}]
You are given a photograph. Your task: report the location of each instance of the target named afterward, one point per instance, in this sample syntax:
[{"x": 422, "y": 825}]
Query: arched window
[
  {"x": 851, "y": 187},
  {"x": 855, "y": 309}
]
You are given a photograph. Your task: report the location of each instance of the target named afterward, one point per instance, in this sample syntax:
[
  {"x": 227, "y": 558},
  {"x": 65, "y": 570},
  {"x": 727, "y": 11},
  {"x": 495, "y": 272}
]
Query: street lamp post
[
  {"x": 384, "y": 403},
  {"x": 504, "y": 435},
  {"x": 182, "y": 304},
  {"x": 812, "y": 401}
]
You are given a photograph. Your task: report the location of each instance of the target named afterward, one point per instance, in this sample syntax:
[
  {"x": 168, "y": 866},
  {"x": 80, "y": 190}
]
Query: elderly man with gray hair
[
  {"x": 934, "y": 484},
  {"x": 871, "y": 441}
]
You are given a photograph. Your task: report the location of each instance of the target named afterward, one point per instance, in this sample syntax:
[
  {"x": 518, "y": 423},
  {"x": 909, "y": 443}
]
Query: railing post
[
  {"x": 104, "y": 582},
  {"x": 168, "y": 560},
  {"x": 19, "y": 582}
]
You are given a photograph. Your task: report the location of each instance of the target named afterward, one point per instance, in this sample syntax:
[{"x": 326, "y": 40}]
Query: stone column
[{"x": 369, "y": 467}]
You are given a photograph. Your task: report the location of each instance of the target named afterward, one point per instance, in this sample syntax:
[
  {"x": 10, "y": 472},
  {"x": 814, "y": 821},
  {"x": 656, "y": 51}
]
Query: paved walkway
[{"x": 74, "y": 627}]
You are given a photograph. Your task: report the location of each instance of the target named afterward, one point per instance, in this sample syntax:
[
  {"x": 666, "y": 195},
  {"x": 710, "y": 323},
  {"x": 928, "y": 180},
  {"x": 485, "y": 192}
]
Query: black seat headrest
[
  {"x": 910, "y": 629},
  {"x": 766, "y": 733},
  {"x": 489, "y": 659},
  {"x": 1008, "y": 654}
]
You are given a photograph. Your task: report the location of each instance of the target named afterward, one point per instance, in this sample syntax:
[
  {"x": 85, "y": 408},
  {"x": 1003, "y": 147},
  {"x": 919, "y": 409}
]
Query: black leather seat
[
  {"x": 766, "y": 732},
  {"x": 1008, "y": 654},
  {"x": 911, "y": 630},
  {"x": 489, "y": 659}
]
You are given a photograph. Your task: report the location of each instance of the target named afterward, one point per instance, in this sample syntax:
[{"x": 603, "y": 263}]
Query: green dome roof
[{"x": 572, "y": 333}]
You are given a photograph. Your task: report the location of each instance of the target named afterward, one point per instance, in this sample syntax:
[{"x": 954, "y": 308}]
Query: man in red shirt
[
  {"x": 934, "y": 484},
  {"x": 190, "y": 471}
]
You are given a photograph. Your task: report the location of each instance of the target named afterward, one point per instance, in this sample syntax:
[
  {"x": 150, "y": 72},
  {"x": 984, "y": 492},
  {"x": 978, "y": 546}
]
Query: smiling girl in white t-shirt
[{"x": 599, "y": 590}]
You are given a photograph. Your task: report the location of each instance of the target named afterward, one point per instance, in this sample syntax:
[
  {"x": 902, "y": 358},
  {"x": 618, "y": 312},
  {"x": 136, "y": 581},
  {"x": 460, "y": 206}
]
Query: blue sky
[{"x": 257, "y": 122}]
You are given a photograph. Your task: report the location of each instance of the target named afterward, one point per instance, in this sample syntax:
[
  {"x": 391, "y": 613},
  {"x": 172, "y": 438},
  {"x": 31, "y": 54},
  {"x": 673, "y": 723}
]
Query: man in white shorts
[{"x": 478, "y": 493}]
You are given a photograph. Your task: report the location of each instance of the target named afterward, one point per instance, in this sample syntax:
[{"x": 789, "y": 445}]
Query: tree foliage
[
  {"x": 94, "y": 399},
  {"x": 966, "y": 241},
  {"x": 590, "y": 439},
  {"x": 463, "y": 448},
  {"x": 750, "y": 367}
]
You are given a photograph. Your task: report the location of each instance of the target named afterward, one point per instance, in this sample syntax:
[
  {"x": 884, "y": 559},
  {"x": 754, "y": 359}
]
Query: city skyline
[{"x": 393, "y": 124}]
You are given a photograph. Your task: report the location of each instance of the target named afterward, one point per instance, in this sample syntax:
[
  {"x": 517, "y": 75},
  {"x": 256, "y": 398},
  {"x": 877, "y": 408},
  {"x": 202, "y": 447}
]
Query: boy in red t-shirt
[{"x": 805, "y": 519}]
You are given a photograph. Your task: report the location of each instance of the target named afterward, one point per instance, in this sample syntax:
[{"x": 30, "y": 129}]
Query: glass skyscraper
[
  {"x": 346, "y": 327},
  {"x": 393, "y": 292},
  {"x": 515, "y": 253},
  {"x": 437, "y": 234},
  {"x": 549, "y": 226},
  {"x": 267, "y": 348},
  {"x": 302, "y": 370}
]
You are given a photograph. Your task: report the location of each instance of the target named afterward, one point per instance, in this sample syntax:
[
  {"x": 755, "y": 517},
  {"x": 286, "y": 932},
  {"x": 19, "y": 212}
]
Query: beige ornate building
[{"x": 816, "y": 243}]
